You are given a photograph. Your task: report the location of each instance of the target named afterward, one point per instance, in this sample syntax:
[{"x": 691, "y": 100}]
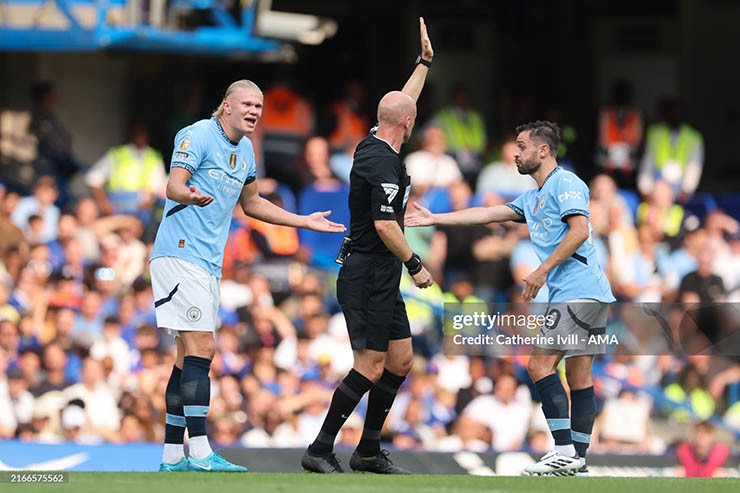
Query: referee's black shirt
[{"x": 378, "y": 189}]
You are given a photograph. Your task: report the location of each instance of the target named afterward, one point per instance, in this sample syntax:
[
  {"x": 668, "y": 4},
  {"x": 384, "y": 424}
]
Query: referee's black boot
[
  {"x": 378, "y": 464},
  {"x": 323, "y": 464}
]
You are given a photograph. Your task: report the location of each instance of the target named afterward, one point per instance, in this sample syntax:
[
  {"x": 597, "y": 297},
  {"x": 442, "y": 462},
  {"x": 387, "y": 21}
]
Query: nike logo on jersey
[{"x": 390, "y": 189}]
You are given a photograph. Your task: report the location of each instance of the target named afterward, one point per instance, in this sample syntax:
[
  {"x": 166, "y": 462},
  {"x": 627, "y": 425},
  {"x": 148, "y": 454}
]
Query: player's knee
[
  {"x": 578, "y": 378},
  {"x": 538, "y": 369},
  {"x": 201, "y": 345},
  {"x": 402, "y": 365}
]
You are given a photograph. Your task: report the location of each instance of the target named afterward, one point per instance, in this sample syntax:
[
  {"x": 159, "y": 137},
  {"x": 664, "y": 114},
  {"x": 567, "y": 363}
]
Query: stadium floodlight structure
[
  {"x": 304, "y": 28},
  {"x": 160, "y": 26}
]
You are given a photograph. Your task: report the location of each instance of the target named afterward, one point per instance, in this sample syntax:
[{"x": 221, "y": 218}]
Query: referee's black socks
[
  {"x": 344, "y": 401},
  {"x": 379, "y": 405}
]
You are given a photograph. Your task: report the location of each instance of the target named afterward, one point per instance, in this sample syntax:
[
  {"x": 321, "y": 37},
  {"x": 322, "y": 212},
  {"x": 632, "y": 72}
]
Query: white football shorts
[
  {"x": 186, "y": 296},
  {"x": 577, "y": 327}
]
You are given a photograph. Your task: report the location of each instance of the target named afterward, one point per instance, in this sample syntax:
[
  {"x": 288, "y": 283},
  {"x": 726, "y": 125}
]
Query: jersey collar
[
  {"x": 388, "y": 143},
  {"x": 557, "y": 168},
  {"x": 222, "y": 132}
]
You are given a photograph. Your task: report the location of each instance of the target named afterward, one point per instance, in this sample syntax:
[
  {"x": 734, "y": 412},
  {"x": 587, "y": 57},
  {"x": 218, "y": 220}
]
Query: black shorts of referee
[{"x": 368, "y": 291}]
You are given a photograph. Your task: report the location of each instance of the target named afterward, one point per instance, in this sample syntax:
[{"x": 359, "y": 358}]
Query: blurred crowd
[{"x": 83, "y": 360}]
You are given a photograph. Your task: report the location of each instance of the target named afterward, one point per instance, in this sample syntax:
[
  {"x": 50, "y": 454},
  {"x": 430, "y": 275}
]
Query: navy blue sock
[
  {"x": 582, "y": 413},
  {"x": 195, "y": 387},
  {"x": 555, "y": 406},
  {"x": 343, "y": 402},
  {"x": 379, "y": 404},
  {"x": 174, "y": 428}
]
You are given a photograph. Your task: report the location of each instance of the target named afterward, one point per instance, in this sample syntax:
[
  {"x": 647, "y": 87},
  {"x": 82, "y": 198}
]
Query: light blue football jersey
[
  {"x": 545, "y": 209},
  {"x": 219, "y": 169}
]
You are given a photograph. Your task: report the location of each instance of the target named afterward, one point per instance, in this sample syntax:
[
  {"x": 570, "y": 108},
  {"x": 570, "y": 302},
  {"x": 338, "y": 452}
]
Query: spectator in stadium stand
[
  {"x": 431, "y": 166},
  {"x": 620, "y": 134},
  {"x": 662, "y": 215},
  {"x": 348, "y": 122},
  {"x": 187, "y": 256},
  {"x": 689, "y": 396},
  {"x": 101, "y": 408},
  {"x": 724, "y": 235},
  {"x": 702, "y": 456},
  {"x": 41, "y": 203},
  {"x": 674, "y": 153},
  {"x": 11, "y": 236},
  {"x": 624, "y": 426},
  {"x": 54, "y": 139},
  {"x": 505, "y": 413},
  {"x": 87, "y": 212},
  {"x": 367, "y": 286},
  {"x": 465, "y": 131},
  {"x": 500, "y": 181},
  {"x": 570, "y": 267},
  {"x": 286, "y": 123},
  {"x": 129, "y": 178}
]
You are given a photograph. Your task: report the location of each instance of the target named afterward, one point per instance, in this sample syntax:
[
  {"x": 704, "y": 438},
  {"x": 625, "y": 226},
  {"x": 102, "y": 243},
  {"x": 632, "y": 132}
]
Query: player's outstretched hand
[
  {"x": 197, "y": 198},
  {"x": 423, "y": 279},
  {"x": 318, "y": 222},
  {"x": 533, "y": 283},
  {"x": 427, "y": 53},
  {"x": 422, "y": 217}
]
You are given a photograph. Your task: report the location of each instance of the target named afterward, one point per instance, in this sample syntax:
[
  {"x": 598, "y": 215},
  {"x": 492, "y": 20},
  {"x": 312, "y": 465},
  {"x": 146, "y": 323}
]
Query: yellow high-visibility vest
[
  {"x": 469, "y": 134},
  {"x": 659, "y": 141},
  {"x": 127, "y": 173}
]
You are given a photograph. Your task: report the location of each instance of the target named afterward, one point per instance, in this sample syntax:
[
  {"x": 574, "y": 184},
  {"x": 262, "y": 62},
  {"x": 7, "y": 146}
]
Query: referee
[{"x": 368, "y": 283}]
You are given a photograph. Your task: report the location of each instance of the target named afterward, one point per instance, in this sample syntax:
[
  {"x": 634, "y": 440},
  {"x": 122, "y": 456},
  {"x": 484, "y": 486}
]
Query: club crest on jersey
[
  {"x": 232, "y": 161},
  {"x": 185, "y": 144},
  {"x": 194, "y": 313},
  {"x": 539, "y": 205},
  {"x": 390, "y": 189},
  {"x": 244, "y": 164}
]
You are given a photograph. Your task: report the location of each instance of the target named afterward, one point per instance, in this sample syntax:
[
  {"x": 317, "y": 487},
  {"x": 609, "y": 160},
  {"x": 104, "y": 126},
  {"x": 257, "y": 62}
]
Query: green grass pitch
[{"x": 102, "y": 482}]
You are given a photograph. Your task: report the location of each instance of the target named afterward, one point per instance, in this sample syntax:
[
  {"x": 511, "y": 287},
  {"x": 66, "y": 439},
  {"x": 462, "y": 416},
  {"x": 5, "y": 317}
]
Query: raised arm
[
  {"x": 415, "y": 83},
  {"x": 463, "y": 217}
]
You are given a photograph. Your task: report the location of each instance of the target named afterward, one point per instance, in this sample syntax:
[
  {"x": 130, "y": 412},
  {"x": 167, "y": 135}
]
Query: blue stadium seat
[
  {"x": 632, "y": 200},
  {"x": 730, "y": 204},
  {"x": 437, "y": 200},
  {"x": 701, "y": 204},
  {"x": 324, "y": 246}
]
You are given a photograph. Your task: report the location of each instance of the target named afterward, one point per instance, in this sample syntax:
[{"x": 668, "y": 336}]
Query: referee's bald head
[{"x": 395, "y": 107}]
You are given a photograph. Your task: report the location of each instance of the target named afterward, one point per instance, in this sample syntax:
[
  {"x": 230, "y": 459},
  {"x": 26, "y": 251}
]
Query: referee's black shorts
[{"x": 368, "y": 290}]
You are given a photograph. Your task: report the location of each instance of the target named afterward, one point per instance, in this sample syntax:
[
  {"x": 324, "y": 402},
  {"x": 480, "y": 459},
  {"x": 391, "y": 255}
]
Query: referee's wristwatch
[{"x": 426, "y": 63}]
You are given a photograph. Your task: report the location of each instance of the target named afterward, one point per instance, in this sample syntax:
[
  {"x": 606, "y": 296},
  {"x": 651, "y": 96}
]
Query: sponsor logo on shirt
[
  {"x": 386, "y": 208},
  {"x": 570, "y": 196},
  {"x": 390, "y": 189},
  {"x": 225, "y": 183}
]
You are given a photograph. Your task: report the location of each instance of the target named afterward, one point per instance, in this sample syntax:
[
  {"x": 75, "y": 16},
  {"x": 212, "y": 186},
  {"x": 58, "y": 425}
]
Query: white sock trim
[
  {"x": 199, "y": 447},
  {"x": 173, "y": 453},
  {"x": 567, "y": 450}
]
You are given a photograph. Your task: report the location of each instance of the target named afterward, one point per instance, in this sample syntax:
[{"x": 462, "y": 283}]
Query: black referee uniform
[{"x": 368, "y": 283}]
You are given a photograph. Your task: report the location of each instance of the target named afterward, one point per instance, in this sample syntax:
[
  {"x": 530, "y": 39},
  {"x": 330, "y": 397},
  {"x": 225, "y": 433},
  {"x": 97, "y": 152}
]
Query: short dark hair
[{"x": 544, "y": 132}]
